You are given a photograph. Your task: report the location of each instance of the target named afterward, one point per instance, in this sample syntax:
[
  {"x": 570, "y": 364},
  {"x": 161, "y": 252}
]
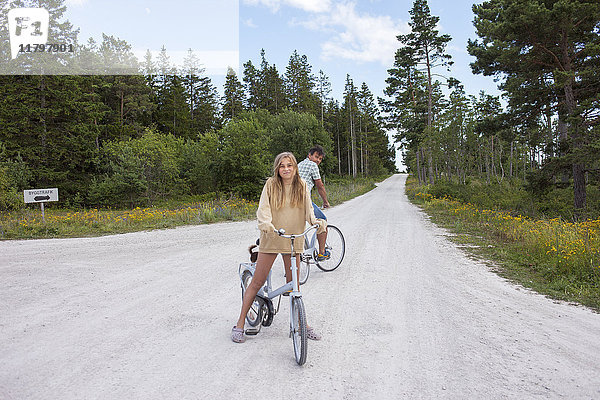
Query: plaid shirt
[{"x": 309, "y": 172}]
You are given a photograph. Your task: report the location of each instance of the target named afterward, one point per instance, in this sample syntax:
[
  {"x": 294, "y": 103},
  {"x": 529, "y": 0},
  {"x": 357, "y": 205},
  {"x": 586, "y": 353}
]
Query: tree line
[
  {"x": 546, "y": 55},
  {"x": 128, "y": 140}
]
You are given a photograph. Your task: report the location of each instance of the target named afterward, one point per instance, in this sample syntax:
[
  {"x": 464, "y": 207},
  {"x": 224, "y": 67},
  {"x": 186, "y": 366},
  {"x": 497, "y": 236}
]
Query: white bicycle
[{"x": 262, "y": 311}]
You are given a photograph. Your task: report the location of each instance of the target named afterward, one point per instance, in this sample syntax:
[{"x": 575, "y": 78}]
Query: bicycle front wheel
[
  {"x": 298, "y": 330},
  {"x": 337, "y": 248}
]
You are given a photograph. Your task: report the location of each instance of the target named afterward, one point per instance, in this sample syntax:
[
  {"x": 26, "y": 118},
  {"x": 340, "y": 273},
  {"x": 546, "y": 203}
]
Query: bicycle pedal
[{"x": 252, "y": 332}]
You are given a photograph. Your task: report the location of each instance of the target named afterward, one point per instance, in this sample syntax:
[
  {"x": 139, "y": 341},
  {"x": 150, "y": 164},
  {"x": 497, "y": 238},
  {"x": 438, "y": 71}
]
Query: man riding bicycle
[{"x": 309, "y": 172}]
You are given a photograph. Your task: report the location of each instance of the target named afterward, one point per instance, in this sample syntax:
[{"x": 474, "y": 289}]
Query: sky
[
  {"x": 209, "y": 27},
  {"x": 340, "y": 37},
  {"x": 352, "y": 37}
]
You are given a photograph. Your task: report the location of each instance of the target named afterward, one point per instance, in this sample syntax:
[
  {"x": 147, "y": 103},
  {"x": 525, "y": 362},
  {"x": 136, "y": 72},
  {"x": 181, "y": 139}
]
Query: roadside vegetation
[
  {"x": 514, "y": 177},
  {"x": 27, "y": 222},
  {"x": 550, "y": 255}
]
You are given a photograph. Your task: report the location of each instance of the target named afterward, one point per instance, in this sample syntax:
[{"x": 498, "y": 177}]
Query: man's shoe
[{"x": 323, "y": 257}]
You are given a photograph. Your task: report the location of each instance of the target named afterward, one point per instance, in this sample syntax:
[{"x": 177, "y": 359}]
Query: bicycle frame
[{"x": 266, "y": 291}]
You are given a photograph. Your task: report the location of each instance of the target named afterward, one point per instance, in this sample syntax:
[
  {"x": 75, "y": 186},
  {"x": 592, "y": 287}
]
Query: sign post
[{"x": 40, "y": 196}]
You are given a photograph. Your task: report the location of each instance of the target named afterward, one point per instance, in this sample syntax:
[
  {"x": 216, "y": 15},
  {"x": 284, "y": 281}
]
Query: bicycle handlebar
[{"x": 281, "y": 232}]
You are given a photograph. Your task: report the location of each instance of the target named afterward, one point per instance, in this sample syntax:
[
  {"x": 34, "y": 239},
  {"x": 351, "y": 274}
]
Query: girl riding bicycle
[{"x": 284, "y": 204}]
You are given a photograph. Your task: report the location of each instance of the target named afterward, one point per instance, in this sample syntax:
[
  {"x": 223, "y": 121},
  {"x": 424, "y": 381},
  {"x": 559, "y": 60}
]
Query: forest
[
  {"x": 109, "y": 140},
  {"x": 542, "y": 138},
  {"x": 127, "y": 140}
]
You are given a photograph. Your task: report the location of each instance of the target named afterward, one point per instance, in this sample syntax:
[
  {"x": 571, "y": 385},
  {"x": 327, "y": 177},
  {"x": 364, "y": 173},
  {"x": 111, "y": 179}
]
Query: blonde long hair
[{"x": 298, "y": 188}]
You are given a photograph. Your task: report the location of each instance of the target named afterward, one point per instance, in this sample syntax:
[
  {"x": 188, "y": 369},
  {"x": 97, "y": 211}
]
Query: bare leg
[
  {"x": 322, "y": 238},
  {"x": 263, "y": 266}
]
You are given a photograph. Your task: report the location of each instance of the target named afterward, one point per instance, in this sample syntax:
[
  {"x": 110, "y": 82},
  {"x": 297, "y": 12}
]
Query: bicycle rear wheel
[
  {"x": 298, "y": 330},
  {"x": 304, "y": 272},
  {"x": 255, "y": 314},
  {"x": 337, "y": 248}
]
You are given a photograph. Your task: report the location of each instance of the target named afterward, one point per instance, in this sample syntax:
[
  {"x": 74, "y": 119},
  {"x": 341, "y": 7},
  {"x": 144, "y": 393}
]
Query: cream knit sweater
[{"x": 293, "y": 220}]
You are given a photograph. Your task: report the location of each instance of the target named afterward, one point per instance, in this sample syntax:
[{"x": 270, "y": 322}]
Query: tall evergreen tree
[
  {"x": 233, "y": 96},
  {"x": 553, "y": 41},
  {"x": 333, "y": 124},
  {"x": 407, "y": 112},
  {"x": 428, "y": 49},
  {"x": 323, "y": 88},
  {"x": 252, "y": 85},
  {"x": 202, "y": 97},
  {"x": 350, "y": 109},
  {"x": 299, "y": 84},
  {"x": 172, "y": 112},
  {"x": 368, "y": 115},
  {"x": 127, "y": 95}
]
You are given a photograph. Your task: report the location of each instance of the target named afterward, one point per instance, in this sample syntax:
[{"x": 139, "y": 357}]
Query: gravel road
[{"x": 408, "y": 315}]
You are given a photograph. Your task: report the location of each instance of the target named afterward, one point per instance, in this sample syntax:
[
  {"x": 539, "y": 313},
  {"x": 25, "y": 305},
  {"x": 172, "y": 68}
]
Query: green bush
[
  {"x": 243, "y": 160},
  {"x": 139, "y": 171},
  {"x": 296, "y": 133},
  {"x": 513, "y": 196},
  {"x": 9, "y": 197},
  {"x": 198, "y": 160}
]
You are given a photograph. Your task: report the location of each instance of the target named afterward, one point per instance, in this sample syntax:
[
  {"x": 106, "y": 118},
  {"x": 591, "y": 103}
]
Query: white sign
[
  {"x": 40, "y": 195},
  {"x": 28, "y": 26}
]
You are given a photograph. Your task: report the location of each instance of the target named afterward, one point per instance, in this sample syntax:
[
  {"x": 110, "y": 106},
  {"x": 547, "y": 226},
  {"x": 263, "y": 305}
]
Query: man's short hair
[{"x": 317, "y": 149}]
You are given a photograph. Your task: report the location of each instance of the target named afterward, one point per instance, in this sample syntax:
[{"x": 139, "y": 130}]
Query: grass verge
[
  {"x": 551, "y": 256},
  {"x": 61, "y": 223}
]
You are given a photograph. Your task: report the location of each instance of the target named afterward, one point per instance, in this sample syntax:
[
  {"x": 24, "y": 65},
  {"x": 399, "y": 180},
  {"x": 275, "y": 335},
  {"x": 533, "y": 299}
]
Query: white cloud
[
  {"x": 249, "y": 23},
  {"x": 148, "y": 11},
  {"x": 316, "y": 6},
  {"x": 358, "y": 37}
]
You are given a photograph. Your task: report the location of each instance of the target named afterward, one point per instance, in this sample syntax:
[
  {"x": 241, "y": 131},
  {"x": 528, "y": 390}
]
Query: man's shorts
[{"x": 319, "y": 213}]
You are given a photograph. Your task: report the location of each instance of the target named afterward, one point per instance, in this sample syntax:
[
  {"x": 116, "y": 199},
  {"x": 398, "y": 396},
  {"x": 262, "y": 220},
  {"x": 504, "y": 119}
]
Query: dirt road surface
[{"x": 407, "y": 316}]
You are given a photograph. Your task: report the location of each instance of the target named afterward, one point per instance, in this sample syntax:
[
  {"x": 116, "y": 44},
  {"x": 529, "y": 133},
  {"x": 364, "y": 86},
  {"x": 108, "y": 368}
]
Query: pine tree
[
  {"x": 333, "y": 124},
  {"x": 427, "y": 48},
  {"x": 150, "y": 71},
  {"x": 272, "y": 90},
  {"x": 407, "y": 112},
  {"x": 233, "y": 96},
  {"x": 350, "y": 110},
  {"x": 368, "y": 114},
  {"x": 299, "y": 84},
  {"x": 323, "y": 88},
  {"x": 127, "y": 95},
  {"x": 552, "y": 49},
  {"x": 172, "y": 112},
  {"x": 252, "y": 86},
  {"x": 201, "y": 97}
]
